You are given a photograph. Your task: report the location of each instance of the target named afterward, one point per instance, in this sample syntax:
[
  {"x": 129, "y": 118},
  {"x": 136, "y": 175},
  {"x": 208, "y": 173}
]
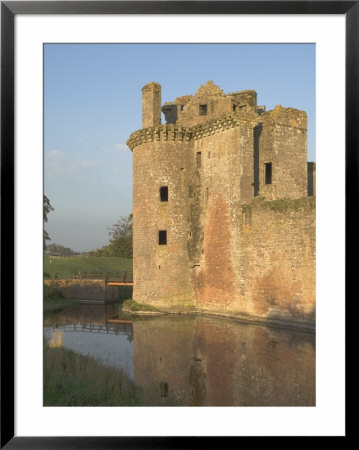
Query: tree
[
  {"x": 121, "y": 238},
  {"x": 120, "y": 243},
  {"x": 60, "y": 250},
  {"x": 47, "y": 209},
  {"x": 123, "y": 227}
]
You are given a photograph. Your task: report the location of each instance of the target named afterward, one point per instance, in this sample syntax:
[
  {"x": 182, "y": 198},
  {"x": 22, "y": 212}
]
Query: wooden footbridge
[
  {"x": 110, "y": 278},
  {"x": 116, "y": 279}
]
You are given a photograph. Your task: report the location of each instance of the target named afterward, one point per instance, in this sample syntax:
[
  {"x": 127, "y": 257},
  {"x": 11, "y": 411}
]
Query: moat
[{"x": 194, "y": 360}]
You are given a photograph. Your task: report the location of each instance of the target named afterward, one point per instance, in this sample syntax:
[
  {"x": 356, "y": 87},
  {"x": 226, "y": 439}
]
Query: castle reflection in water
[{"x": 197, "y": 360}]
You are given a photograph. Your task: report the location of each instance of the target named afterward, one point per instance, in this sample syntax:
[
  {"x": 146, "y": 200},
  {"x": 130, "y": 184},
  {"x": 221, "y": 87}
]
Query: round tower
[
  {"x": 162, "y": 275},
  {"x": 162, "y": 160}
]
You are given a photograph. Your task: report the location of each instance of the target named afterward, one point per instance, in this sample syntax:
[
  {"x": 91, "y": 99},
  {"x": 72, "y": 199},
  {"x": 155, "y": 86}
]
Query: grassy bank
[
  {"x": 54, "y": 300},
  {"x": 71, "y": 379},
  {"x": 85, "y": 264},
  {"x": 132, "y": 306}
]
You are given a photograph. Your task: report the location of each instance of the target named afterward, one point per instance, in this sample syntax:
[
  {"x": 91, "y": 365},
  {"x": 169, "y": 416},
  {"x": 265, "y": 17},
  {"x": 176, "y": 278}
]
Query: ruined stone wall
[
  {"x": 162, "y": 274},
  {"x": 244, "y": 100},
  {"x": 259, "y": 260},
  {"x": 212, "y": 97},
  {"x": 84, "y": 289},
  {"x": 226, "y": 179},
  {"x": 151, "y": 105},
  {"x": 274, "y": 260},
  {"x": 214, "y": 108},
  {"x": 283, "y": 142}
]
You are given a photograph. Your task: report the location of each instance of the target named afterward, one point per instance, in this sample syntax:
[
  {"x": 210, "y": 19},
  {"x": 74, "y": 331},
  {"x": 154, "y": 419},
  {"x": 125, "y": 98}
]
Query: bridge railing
[
  {"x": 118, "y": 329},
  {"x": 120, "y": 276}
]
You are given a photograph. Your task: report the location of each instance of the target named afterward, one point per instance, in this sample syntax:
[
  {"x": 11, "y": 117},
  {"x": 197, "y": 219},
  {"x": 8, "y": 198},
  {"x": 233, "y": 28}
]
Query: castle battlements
[
  {"x": 178, "y": 132},
  {"x": 283, "y": 116}
]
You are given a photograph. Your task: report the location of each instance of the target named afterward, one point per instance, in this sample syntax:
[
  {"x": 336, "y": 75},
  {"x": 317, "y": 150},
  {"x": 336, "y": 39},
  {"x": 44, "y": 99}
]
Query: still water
[{"x": 198, "y": 360}]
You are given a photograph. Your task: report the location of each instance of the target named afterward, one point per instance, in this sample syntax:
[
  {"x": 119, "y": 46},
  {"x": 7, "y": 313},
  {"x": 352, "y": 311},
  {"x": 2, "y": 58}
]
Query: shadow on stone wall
[{"x": 124, "y": 293}]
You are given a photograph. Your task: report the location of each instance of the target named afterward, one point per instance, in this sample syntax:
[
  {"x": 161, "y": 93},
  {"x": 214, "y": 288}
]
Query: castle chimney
[{"x": 151, "y": 105}]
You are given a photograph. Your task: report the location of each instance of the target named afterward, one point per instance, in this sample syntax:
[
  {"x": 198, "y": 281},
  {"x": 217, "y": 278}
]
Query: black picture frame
[{"x": 9, "y": 9}]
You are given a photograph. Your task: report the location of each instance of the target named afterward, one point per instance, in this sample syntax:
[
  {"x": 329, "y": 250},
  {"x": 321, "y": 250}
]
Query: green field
[{"x": 71, "y": 265}]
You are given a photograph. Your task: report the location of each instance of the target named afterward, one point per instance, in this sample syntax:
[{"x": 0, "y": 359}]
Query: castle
[{"x": 223, "y": 207}]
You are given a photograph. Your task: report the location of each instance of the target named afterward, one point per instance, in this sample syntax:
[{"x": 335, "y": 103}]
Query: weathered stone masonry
[{"x": 223, "y": 207}]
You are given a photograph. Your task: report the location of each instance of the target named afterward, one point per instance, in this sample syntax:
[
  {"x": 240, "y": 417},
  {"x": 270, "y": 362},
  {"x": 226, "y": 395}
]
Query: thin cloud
[
  {"x": 55, "y": 155},
  {"x": 121, "y": 147},
  {"x": 58, "y": 167},
  {"x": 85, "y": 164}
]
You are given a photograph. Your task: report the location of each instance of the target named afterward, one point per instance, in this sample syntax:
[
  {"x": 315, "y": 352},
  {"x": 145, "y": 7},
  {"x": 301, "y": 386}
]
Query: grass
[
  {"x": 54, "y": 300},
  {"x": 70, "y": 265},
  {"x": 58, "y": 304},
  {"x": 67, "y": 266},
  {"x": 131, "y": 305},
  {"x": 71, "y": 379}
]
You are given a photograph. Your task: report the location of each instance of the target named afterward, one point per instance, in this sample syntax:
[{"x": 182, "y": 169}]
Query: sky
[{"x": 92, "y": 103}]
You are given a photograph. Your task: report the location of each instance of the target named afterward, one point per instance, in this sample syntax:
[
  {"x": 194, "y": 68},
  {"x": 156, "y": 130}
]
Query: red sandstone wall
[
  {"x": 276, "y": 259},
  {"x": 226, "y": 182},
  {"x": 262, "y": 263}
]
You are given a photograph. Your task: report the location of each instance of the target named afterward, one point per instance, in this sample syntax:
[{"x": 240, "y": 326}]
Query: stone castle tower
[{"x": 222, "y": 220}]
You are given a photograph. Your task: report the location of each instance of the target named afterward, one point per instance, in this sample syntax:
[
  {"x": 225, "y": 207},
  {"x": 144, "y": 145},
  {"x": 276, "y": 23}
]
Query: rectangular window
[
  {"x": 202, "y": 110},
  {"x": 268, "y": 173},
  {"x": 198, "y": 158},
  {"x": 164, "y": 193},
  {"x": 162, "y": 237}
]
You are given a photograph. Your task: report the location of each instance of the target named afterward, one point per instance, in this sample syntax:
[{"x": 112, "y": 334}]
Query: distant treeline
[
  {"x": 120, "y": 243},
  {"x": 60, "y": 250}
]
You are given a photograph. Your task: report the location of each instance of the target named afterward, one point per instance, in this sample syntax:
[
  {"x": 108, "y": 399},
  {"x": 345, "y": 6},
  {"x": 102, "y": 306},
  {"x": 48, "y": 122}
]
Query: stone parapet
[{"x": 176, "y": 132}]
